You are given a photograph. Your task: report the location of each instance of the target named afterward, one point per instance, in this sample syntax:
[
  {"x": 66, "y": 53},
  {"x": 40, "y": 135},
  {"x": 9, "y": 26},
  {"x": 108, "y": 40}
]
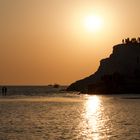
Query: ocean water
[{"x": 70, "y": 117}]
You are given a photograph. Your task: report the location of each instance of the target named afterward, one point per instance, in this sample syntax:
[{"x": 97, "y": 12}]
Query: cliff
[{"x": 120, "y": 72}]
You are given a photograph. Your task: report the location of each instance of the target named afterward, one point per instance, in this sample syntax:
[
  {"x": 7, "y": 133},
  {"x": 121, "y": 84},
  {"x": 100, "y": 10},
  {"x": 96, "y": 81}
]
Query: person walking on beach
[{"x": 4, "y": 91}]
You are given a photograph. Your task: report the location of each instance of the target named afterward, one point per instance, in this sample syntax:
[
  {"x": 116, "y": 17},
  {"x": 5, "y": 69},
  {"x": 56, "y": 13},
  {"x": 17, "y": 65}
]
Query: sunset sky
[{"x": 60, "y": 41}]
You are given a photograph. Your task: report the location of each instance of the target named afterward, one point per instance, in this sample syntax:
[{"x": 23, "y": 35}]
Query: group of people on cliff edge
[{"x": 133, "y": 40}]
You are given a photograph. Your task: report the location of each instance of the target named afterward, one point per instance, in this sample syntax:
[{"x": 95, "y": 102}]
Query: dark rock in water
[{"x": 120, "y": 73}]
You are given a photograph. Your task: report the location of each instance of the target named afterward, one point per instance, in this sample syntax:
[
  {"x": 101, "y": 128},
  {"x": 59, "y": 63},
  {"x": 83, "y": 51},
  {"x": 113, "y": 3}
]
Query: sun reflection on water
[
  {"x": 92, "y": 105},
  {"x": 93, "y": 116}
]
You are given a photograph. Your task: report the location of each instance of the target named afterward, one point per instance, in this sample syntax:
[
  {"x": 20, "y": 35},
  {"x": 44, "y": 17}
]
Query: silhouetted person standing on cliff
[
  {"x": 4, "y": 91},
  {"x": 123, "y": 41}
]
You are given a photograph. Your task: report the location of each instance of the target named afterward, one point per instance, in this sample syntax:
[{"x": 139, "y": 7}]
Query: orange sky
[{"x": 45, "y": 41}]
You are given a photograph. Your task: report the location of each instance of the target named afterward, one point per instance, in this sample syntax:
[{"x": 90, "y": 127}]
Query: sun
[{"x": 93, "y": 23}]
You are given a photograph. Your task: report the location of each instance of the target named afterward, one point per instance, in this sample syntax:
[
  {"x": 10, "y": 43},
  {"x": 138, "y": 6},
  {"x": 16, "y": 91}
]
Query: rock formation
[{"x": 118, "y": 73}]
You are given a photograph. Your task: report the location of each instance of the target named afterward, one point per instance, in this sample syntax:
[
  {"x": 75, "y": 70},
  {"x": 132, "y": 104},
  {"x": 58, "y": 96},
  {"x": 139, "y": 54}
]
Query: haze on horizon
[{"x": 46, "y": 42}]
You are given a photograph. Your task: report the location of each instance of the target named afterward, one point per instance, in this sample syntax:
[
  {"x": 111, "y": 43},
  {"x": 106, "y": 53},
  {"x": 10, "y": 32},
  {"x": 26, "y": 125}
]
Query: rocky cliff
[{"x": 119, "y": 72}]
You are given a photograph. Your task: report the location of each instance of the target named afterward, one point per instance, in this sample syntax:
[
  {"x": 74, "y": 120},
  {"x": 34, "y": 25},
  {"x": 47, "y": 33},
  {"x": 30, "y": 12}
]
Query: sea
[{"x": 68, "y": 116}]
